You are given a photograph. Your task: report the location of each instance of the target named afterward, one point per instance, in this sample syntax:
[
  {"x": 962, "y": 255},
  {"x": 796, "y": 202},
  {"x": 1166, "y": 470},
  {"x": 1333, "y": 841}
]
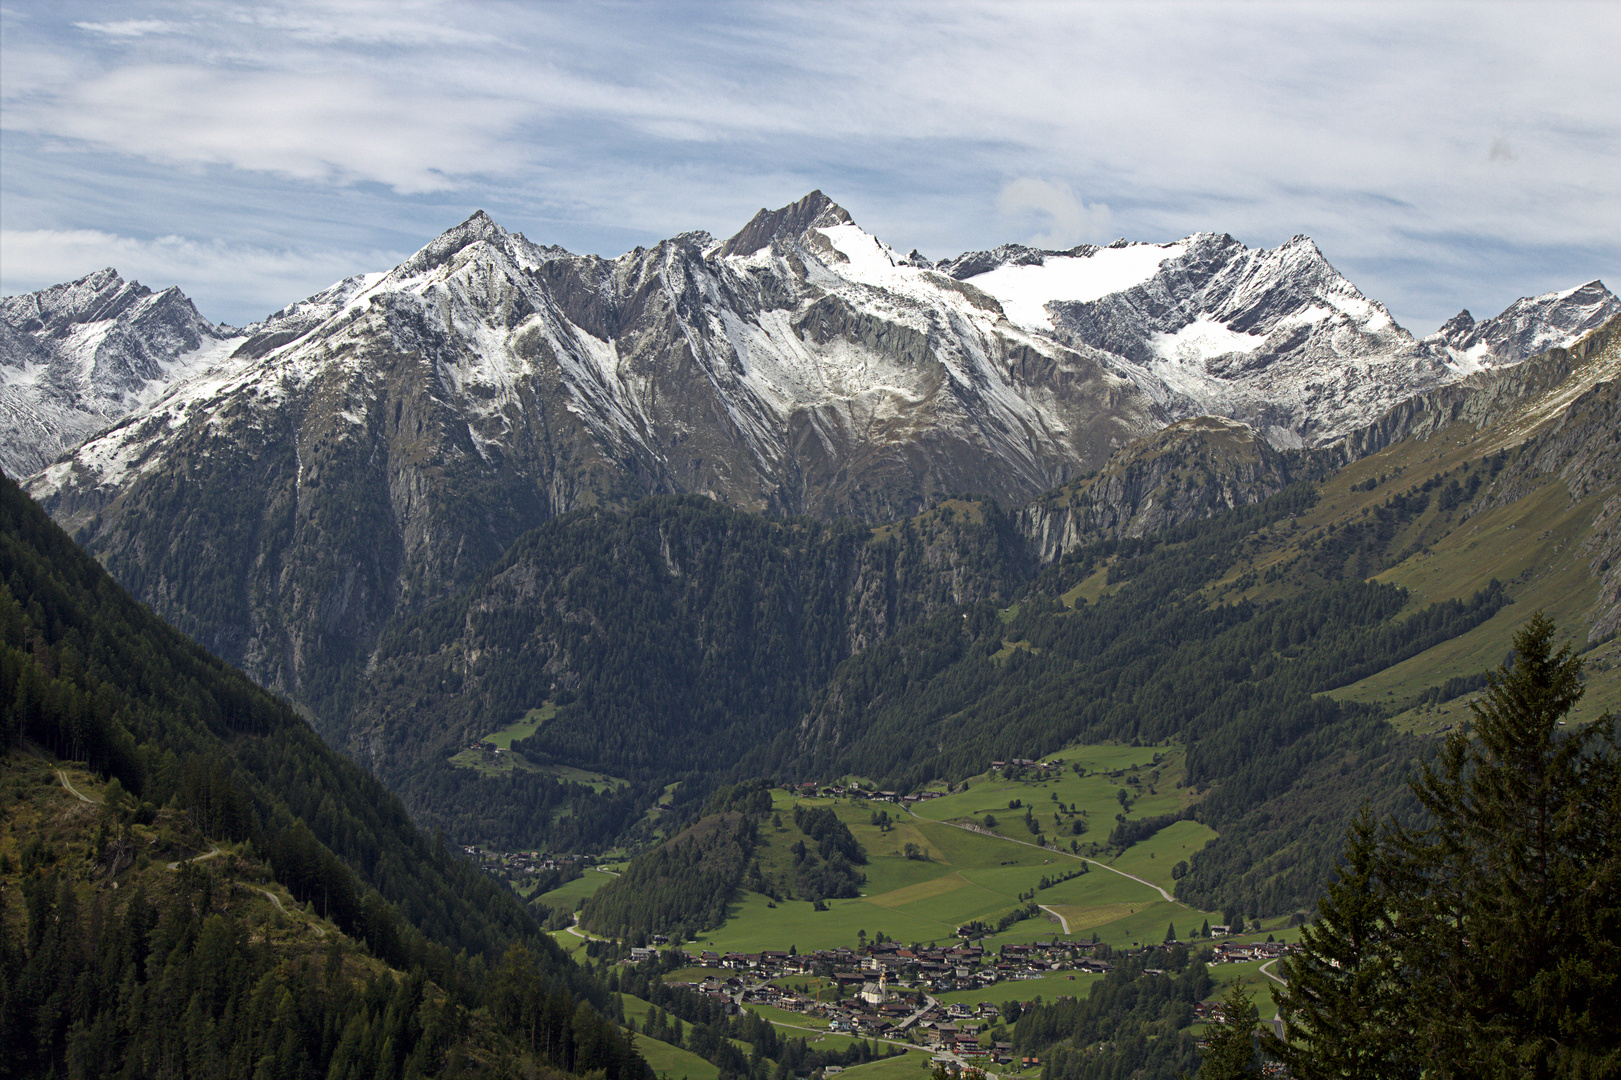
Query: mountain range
[
  {"x": 363, "y": 451},
  {"x": 798, "y": 483}
]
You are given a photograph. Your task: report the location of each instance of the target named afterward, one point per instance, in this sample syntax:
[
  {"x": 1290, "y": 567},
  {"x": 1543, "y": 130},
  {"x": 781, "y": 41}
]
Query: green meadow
[
  {"x": 570, "y": 893},
  {"x": 511, "y": 761},
  {"x": 980, "y": 875},
  {"x": 910, "y": 1066}
]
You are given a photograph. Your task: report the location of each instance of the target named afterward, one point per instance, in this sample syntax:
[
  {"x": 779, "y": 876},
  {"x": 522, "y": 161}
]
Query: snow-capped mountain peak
[
  {"x": 1530, "y": 325},
  {"x": 77, "y": 356},
  {"x": 790, "y": 222},
  {"x": 803, "y": 326}
]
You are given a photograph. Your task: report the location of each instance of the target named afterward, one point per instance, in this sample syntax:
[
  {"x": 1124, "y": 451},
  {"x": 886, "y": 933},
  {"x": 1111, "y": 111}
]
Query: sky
[{"x": 1442, "y": 156}]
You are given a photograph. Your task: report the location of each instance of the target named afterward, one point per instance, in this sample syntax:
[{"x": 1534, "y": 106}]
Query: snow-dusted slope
[
  {"x": 1526, "y": 327},
  {"x": 759, "y": 377},
  {"x": 75, "y": 357},
  {"x": 1277, "y": 339}
]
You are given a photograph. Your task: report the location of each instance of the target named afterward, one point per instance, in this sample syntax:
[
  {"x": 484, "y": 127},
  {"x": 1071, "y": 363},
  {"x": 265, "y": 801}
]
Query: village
[{"x": 885, "y": 990}]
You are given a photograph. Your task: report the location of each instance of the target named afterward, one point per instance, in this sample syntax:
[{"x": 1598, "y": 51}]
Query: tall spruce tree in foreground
[
  {"x": 1229, "y": 1048},
  {"x": 1489, "y": 942},
  {"x": 1345, "y": 1002}
]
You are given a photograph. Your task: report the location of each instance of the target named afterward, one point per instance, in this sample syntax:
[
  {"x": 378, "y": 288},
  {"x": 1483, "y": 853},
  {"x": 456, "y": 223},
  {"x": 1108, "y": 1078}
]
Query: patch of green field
[
  {"x": 1153, "y": 789},
  {"x": 567, "y": 941},
  {"x": 790, "y": 1023},
  {"x": 975, "y": 875},
  {"x": 1092, "y": 589},
  {"x": 598, "y": 782},
  {"x": 1050, "y": 987},
  {"x": 566, "y": 894},
  {"x": 1250, "y": 972},
  {"x": 673, "y": 1063},
  {"x": 1525, "y": 545},
  {"x": 509, "y": 760},
  {"x": 1153, "y": 859},
  {"x": 909, "y": 1066},
  {"x": 1138, "y": 924},
  {"x": 522, "y": 729}
]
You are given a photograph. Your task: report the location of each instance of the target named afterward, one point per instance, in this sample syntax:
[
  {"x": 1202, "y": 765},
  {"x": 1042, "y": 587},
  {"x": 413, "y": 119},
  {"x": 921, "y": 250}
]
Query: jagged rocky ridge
[
  {"x": 377, "y": 445},
  {"x": 76, "y": 357}
]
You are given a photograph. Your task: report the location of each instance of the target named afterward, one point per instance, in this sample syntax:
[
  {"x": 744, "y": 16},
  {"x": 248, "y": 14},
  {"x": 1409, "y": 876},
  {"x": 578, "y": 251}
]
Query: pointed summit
[
  {"x": 814, "y": 211},
  {"x": 480, "y": 226}
]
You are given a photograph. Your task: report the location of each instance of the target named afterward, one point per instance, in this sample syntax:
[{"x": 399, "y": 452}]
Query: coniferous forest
[{"x": 111, "y": 963}]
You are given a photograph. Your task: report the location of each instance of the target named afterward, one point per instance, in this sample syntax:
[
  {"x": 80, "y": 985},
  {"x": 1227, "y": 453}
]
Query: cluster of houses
[
  {"x": 1237, "y": 952},
  {"x": 1028, "y": 763},
  {"x": 511, "y": 863},
  {"x": 882, "y": 990},
  {"x": 810, "y": 789},
  {"x": 939, "y": 969}
]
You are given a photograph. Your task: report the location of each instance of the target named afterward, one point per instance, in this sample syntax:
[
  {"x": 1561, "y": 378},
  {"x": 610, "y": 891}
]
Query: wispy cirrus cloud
[{"x": 127, "y": 28}]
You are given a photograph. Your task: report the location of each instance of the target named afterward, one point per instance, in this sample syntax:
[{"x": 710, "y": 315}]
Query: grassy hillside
[{"x": 981, "y": 874}]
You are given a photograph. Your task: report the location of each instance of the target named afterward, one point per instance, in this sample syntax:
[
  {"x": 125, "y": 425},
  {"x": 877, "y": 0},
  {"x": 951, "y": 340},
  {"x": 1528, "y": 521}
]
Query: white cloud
[
  {"x": 1069, "y": 221},
  {"x": 1364, "y": 125},
  {"x": 128, "y": 28}
]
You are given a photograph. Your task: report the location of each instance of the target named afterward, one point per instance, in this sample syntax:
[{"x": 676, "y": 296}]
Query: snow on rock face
[
  {"x": 800, "y": 327},
  {"x": 1024, "y": 289},
  {"x": 78, "y": 356},
  {"x": 1275, "y": 338},
  {"x": 1529, "y": 326}
]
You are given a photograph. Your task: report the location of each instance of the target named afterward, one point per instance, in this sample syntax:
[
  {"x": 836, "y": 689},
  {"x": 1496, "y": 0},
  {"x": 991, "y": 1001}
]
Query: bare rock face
[{"x": 1192, "y": 469}]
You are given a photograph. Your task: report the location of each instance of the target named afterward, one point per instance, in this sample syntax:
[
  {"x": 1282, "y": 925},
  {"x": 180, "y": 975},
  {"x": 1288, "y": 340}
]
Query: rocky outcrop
[
  {"x": 1192, "y": 469},
  {"x": 1484, "y": 398}
]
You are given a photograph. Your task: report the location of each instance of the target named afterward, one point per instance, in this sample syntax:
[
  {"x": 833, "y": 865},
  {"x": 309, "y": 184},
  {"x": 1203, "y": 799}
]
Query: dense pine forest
[{"x": 114, "y": 964}]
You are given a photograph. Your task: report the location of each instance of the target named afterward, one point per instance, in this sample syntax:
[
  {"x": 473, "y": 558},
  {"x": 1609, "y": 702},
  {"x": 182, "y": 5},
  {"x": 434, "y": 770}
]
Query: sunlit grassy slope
[{"x": 981, "y": 874}]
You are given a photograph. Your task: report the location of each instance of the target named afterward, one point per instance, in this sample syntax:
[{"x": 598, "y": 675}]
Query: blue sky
[{"x": 1442, "y": 156}]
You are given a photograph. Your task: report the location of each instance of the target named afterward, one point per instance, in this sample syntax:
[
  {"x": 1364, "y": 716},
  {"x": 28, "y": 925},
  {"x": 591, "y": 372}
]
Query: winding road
[
  {"x": 1275, "y": 978},
  {"x": 62, "y": 776},
  {"x": 196, "y": 858},
  {"x": 1063, "y": 923},
  {"x": 1052, "y": 851},
  {"x": 274, "y": 899}
]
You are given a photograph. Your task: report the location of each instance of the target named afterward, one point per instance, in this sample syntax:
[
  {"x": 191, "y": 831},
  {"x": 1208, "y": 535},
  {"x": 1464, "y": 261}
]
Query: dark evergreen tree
[
  {"x": 1229, "y": 1050},
  {"x": 1490, "y": 938},
  {"x": 1344, "y": 1000}
]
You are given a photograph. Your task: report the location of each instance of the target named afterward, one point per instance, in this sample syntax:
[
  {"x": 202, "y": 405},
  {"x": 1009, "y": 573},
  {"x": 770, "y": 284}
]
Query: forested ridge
[
  {"x": 1153, "y": 661},
  {"x": 171, "y": 975},
  {"x": 684, "y": 886}
]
